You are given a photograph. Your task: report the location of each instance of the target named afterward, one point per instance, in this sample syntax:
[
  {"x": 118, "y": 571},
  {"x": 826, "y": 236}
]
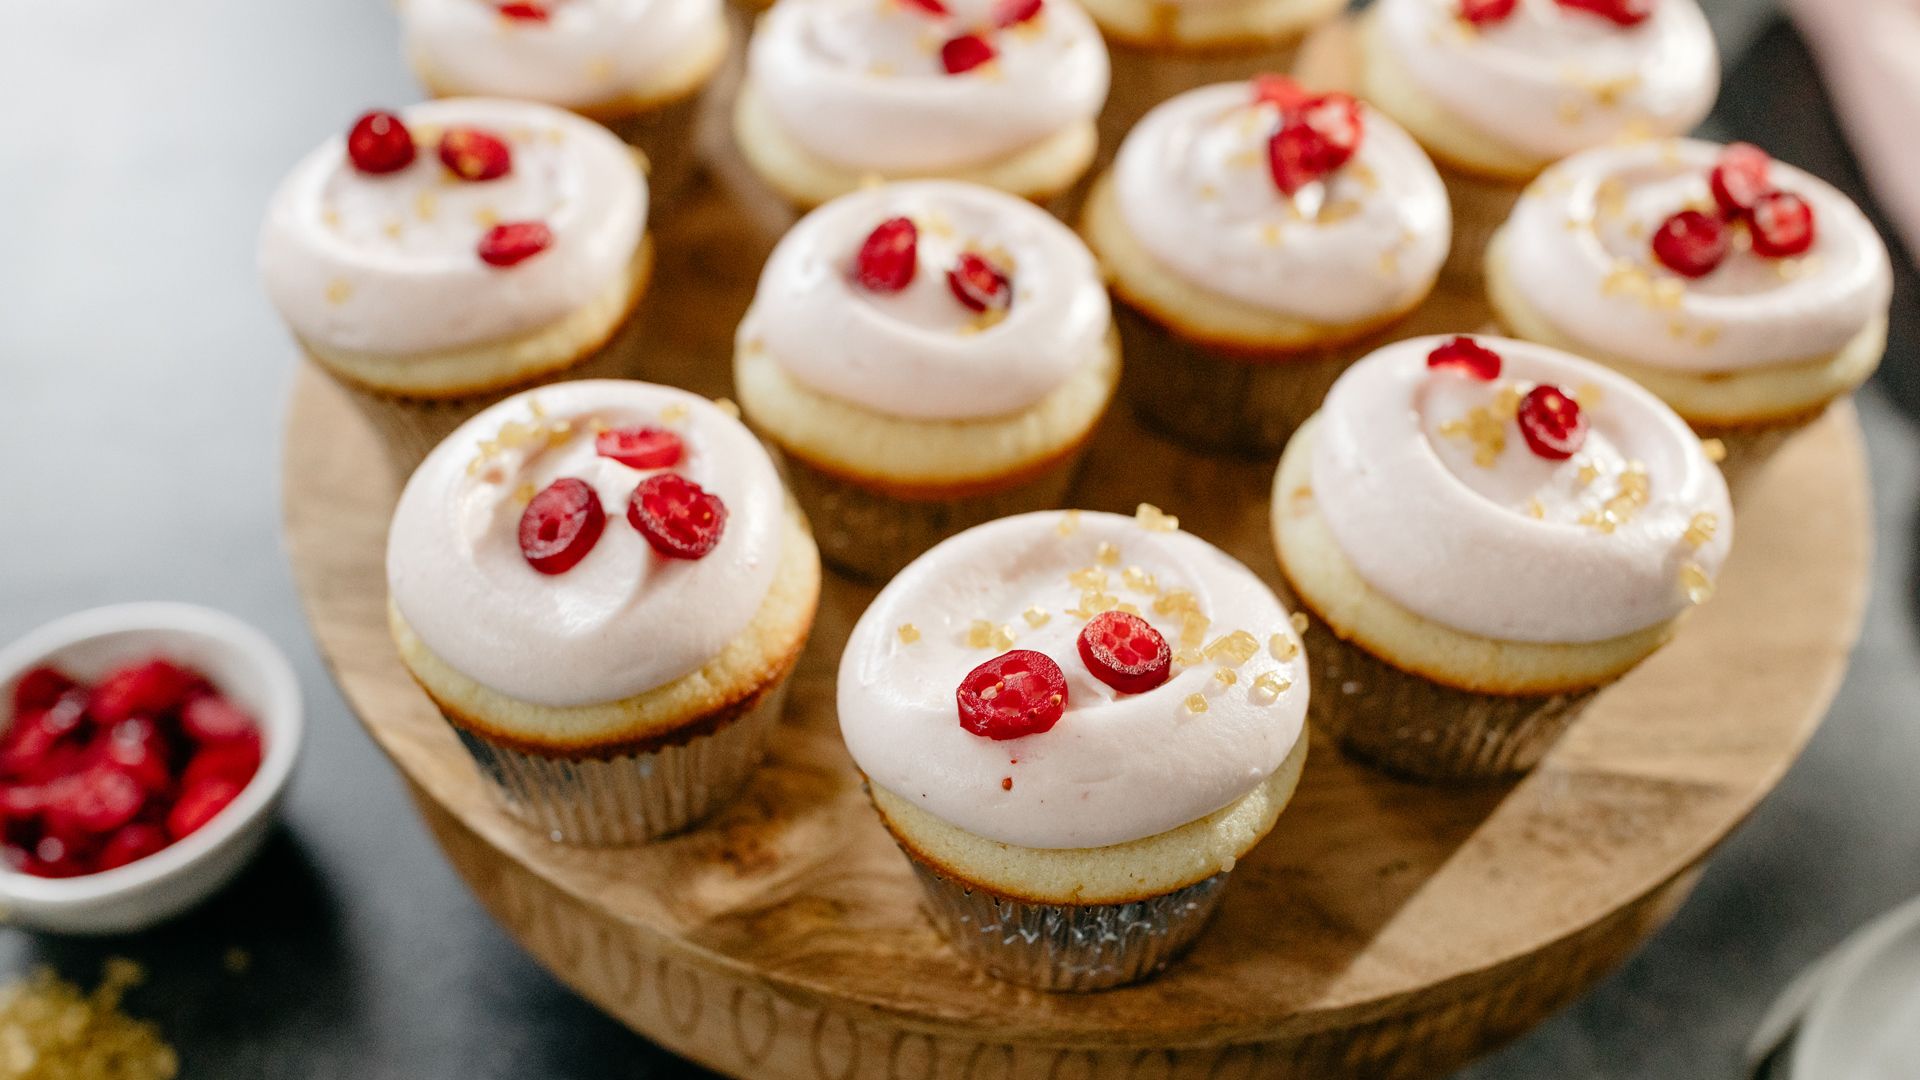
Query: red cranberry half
[{"x": 1014, "y": 694}]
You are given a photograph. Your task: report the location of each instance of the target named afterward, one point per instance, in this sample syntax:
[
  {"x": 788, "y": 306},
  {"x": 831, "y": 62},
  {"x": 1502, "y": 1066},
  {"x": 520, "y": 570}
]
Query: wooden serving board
[{"x": 1382, "y": 930}]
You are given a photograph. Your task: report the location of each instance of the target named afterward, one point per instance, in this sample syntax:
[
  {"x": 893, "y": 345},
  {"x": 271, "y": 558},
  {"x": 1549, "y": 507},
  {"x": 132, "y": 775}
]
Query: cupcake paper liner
[
  {"x": 409, "y": 428},
  {"x": 633, "y": 798},
  {"x": 1219, "y": 403},
  {"x": 1068, "y": 947},
  {"x": 1411, "y": 726},
  {"x": 872, "y": 534}
]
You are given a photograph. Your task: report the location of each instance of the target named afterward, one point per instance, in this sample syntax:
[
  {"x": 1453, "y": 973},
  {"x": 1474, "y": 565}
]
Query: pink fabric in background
[{"x": 1869, "y": 54}]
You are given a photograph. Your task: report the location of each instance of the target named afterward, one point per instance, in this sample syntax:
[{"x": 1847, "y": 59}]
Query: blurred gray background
[{"x": 142, "y": 381}]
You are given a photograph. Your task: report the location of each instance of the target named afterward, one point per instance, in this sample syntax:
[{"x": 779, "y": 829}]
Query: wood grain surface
[{"x": 1383, "y": 930}]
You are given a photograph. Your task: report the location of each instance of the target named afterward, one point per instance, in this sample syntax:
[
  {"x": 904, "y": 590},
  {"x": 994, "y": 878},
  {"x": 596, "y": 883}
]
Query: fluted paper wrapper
[
  {"x": 1411, "y": 726},
  {"x": 1222, "y": 403},
  {"x": 873, "y": 534},
  {"x": 1068, "y": 946},
  {"x": 409, "y": 428},
  {"x": 632, "y": 798}
]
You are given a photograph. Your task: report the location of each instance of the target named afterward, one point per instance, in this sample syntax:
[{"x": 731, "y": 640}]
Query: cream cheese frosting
[
  {"x": 585, "y": 53},
  {"x": 1116, "y": 767},
  {"x": 860, "y": 83},
  {"x": 1577, "y": 252},
  {"x": 1435, "y": 499},
  {"x": 624, "y": 620},
  {"x": 919, "y": 353},
  {"x": 1194, "y": 185},
  {"x": 1549, "y": 79},
  {"x": 388, "y": 263}
]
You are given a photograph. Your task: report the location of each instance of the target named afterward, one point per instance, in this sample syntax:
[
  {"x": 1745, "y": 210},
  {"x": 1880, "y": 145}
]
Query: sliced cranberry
[
  {"x": 979, "y": 284},
  {"x": 39, "y": 688},
  {"x": 1125, "y": 652},
  {"x": 1487, "y": 12},
  {"x": 44, "y": 745},
  {"x": 131, "y": 844},
  {"x": 153, "y": 687},
  {"x": 92, "y": 802},
  {"x": 889, "y": 257},
  {"x": 561, "y": 525},
  {"x": 513, "y": 242},
  {"x": 1466, "y": 355},
  {"x": 54, "y": 857},
  {"x": 1014, "y": 12},
  {"x": 1316, "y": 138},
  {"x": 212, "y": 718},
  {"x": 1739, "y": 179},
  {"x": 679, "y": 518},
  {"x": 1620, "y": 12},
  {"x": 927, "y": 7},
  {"x": 1782, "y": 225},
  {"x": 200, "y": 804},
  {"x": 137, "y": 748},
  {"x": 475, "y": 155},
  {"x": 966, "y": 52},
  {"x": 1014, "y": 694},
  {"x": 1552, "y": 422},
  {"x": 1279, "y": 91},
  {"x": 1691, "y": 244},
  {"x": 640, "y": 447},
  {"x": 379, "y": 143},
  {"x": 525, "y": 11},
  {"x": 236, "y": 760}
]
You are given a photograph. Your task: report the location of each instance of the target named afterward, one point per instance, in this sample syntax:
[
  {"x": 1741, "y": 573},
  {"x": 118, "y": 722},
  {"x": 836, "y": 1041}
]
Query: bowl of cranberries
[{"x": 143, "y": 749}]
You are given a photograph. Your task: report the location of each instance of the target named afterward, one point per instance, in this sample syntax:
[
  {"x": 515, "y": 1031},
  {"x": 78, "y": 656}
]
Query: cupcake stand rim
[{"x": 810, "y": 945}]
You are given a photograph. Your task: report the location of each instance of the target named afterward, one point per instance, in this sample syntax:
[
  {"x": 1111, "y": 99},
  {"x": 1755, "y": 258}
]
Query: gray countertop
[{"x": 142, "y": 380}]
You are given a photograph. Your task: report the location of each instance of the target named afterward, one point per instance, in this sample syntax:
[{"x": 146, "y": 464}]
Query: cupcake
[
  {"x": 1161, "y": 48},
  {"x": 1074, "y": 725},
  {"x": 603, "y": 588},
  {"x": 642, "y": 69},
  {"x": 467, "y": 247},
  {"x": 1258, "y": 238},
  {"x": 1744, "y": 292},
  {"x": 1497, "y": 90},
  {"x": 927, "y": 356},
  {"x": 999, "y": 92},
  {"x": 1487, "y": 532}
]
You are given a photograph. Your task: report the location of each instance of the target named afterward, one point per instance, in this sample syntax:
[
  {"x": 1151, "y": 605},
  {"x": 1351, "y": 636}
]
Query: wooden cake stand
[{"x": 1383, "y": 929}]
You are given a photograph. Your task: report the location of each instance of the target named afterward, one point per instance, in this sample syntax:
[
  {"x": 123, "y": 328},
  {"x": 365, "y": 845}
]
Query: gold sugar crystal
[
  {"x": 1088, "y": 578},
  {"x": 1107, "y": 554},
  {"x": 909, "y": 633},
  {"x": 1283, "y": 647},
  {"x": 1152, "y": 519},
  {"x": 1701, "y": 529},
  {"x": 1270, "y": 685},
  {"x": 1139, "y": 580},
  {"x": 1196, "y": 703},
  {"x": 1698, "y": 586},
  {"x": 1225, "y": 676},
  {"x": 1035, "y": 617},
  {"x": 1235, "y": 648}
]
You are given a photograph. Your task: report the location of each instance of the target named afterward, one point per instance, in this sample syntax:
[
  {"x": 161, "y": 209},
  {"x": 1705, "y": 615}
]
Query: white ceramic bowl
[{"x": 246, "y": 667}]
